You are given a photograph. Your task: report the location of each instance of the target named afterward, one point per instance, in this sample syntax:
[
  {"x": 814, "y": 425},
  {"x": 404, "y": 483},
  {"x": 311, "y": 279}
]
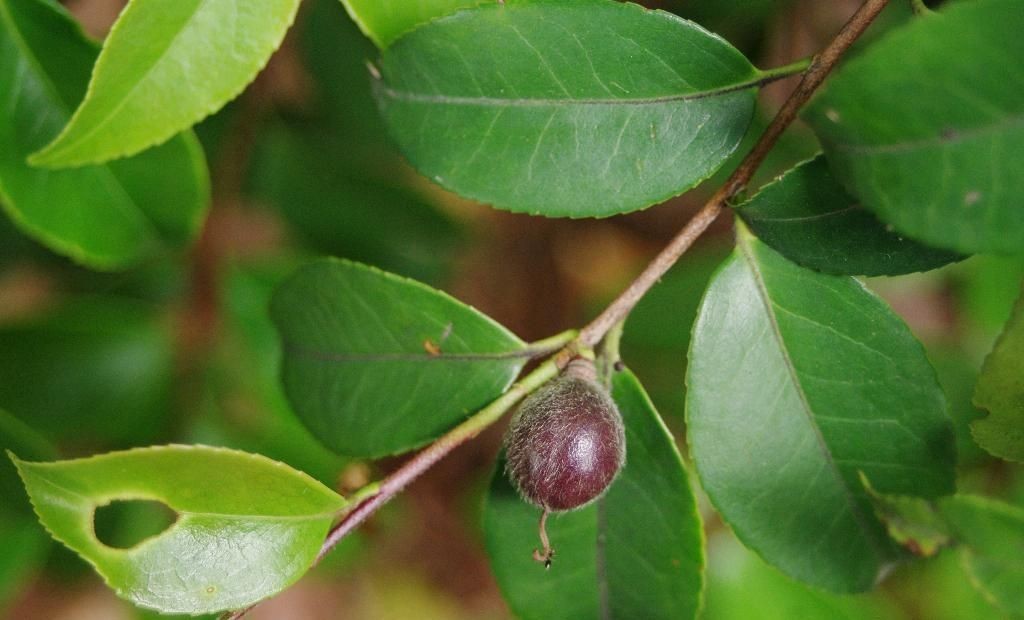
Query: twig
[
  {"x": 820, "y": 67},
  {"x": 615, "y": 313}
]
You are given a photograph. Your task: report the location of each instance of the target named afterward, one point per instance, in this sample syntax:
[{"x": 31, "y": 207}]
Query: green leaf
[
  {"x": 810, "y": 219},
  {"x": 797, "y": 382},
  {"x": 1000, "y": 390},
  {"x": 102, "y": 216},
  {"x": 386, "y": 20},
  {"x": 376, "y": 364},
  {"x": 930, "y": 142},
  {"x": 98, "y": 371},
  {"x": 247, "y": 526},
  {"x": 636, "y": 553},
  {"x": 991, "y": 534},
  {"x": 585, "y": 108},
  {"x": 166, "y": 65}
]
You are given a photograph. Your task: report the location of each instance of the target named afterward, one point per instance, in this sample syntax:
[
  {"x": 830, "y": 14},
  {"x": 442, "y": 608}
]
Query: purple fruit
[{"x": 566, "y": 442}]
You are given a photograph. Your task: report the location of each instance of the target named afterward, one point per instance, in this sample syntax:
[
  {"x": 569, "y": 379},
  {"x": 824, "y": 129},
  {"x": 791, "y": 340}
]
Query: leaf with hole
[
  {"x": 580, "y": 109},
  {"x": 377, "y": 364},
  {"x": 246, "y": 528},
  {"x": 809, "y": 218},
  {"x": 196, "y": 56},
  {"x": 810, "y": 380},
  {"x": 927, "y": 127},
  {"x": 386, "y": 20},
  {"x": 105, "y": 216},
  {"x": 636, "y": 552},
  {"x": 1000, "y": 390}
]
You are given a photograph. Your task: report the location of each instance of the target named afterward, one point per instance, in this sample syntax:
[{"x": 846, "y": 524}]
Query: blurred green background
[{"x": 180, "y": 349}]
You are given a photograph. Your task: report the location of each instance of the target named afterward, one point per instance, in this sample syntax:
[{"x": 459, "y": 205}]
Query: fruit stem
[{"x": 548, "y": 554}]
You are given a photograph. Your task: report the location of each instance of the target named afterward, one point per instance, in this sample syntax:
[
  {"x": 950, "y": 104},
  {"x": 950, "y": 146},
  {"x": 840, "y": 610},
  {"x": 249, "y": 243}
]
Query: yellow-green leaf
[{"x": 247, "y": 526}]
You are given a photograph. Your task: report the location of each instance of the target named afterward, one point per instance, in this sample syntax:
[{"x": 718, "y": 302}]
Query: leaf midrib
[
  {"x": 527, "y": 102},
  {"x": 405, "y": 356},
  {"x": 743, "y": 243},
  {"x": 93, "y": 504},
  {"x": 959, "y": 136}
]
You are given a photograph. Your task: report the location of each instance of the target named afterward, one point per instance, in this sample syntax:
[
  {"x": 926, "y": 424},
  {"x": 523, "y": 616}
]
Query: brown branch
[
  {"x": 819, "y": 69},
  {"x": 393, "y": 484}
]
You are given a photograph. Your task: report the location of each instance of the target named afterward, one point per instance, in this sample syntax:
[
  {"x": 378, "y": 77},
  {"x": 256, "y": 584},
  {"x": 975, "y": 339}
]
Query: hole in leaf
[{"x": 122, "y": 524}]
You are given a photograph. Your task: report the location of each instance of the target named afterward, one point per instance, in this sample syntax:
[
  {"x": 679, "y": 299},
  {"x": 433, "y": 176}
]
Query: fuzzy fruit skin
[{"x": 566, "y": 443}]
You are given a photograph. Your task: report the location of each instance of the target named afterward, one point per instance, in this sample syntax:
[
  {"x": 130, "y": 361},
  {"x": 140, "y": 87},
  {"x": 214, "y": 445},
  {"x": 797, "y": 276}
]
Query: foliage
[{"x": 816, "y": 425}]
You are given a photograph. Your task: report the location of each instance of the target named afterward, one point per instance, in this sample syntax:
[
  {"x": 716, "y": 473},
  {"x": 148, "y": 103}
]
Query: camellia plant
[{"x": 814, "y": 419}]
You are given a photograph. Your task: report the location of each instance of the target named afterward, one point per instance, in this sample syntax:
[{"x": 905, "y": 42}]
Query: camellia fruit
[{"x": 565, "y": 445}]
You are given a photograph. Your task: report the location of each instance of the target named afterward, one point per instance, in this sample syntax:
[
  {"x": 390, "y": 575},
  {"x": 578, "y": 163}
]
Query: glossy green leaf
[
  {"x": 102, "y": 216},
  {"x": 93, "y": 372},
  {"x": 809, "y": 218},
  {"x": 925, "y": 127},
  {"x": 386, "y": 20},
  {"x": 166, "y": 65},
  {"x": 247, "y": 526},
  {"x": 797, "y": 383},
  {"x": 1000, "y": 390},
  {"x": 991, "y": 534},
  {"x": 584, "y": 108},
  {"x": 636, "y": 553},
  {"x": 376, "y": 364}
]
